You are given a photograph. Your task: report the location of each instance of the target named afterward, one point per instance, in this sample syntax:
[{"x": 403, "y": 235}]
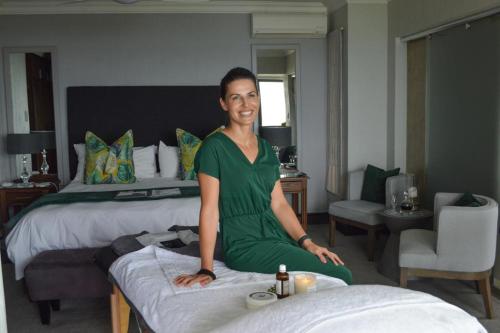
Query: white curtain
[{"x": 336, "y": 169}]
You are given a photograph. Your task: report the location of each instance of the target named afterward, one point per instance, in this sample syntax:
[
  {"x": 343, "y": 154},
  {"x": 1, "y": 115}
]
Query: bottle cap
[{"x": 282, "y": 268}]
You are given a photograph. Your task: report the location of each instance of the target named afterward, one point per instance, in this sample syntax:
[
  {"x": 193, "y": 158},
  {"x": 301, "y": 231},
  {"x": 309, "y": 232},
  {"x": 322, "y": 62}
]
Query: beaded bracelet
[{"x": 208, "y": 272}]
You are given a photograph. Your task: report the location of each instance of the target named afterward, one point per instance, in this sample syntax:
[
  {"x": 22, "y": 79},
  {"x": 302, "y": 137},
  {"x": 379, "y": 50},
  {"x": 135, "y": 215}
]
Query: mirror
[
  {"x": 276, "y": 76},
  {"x": 30, "y": 105}
]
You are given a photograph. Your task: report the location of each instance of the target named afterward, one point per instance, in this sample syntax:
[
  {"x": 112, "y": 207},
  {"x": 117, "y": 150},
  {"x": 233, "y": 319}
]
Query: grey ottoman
[{"x": 60, "y": 274}]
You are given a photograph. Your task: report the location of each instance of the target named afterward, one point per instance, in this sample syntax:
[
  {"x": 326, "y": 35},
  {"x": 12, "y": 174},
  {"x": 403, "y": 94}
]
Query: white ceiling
[
  {"x": 173, "y": 6},
  {"x": 202, "y": 6}
]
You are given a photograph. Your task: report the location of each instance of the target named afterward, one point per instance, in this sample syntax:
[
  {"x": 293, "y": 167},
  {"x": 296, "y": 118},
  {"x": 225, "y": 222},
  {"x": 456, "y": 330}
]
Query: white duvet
[
  {"x": 97, "y": 224},
  {"x": 145, "y": 277}
]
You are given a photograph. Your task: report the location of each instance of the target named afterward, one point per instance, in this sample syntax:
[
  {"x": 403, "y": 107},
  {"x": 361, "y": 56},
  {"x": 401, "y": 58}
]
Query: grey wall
[
  {"x": 406, "y": 17},
  {"x": 271, "y": 65},
  {"x": 367, "y": 98},
  {"x": 365, "y": 77},
  {"x": 164, "y": 49}
]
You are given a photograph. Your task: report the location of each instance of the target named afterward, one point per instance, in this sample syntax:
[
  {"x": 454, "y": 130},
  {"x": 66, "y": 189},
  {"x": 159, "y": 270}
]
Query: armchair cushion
[
  {"x": 356, "y": 210},
  {"x": 374, "y": 183},
  {"x": 468, "y": 200},
  {"x": 417, "y": 249}
]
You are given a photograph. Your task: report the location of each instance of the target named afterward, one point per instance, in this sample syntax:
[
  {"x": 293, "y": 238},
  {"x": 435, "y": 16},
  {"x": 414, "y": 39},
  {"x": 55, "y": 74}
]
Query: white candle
[
  {"x": 305, "y": 283},
  {"x": 412, "y": 192}
]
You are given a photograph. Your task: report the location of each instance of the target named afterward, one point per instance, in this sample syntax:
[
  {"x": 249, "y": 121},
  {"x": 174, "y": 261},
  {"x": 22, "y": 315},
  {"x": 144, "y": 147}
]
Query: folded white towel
[{"x": 157, "y": 238}]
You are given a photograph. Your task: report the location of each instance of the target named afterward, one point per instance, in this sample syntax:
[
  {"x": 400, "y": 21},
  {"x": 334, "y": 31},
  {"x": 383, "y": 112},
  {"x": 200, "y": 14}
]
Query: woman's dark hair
[{"x": 234, "y": 74}]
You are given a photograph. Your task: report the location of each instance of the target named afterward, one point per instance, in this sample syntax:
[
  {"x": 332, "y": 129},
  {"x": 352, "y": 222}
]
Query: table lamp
[
  {"x": 28, "y": 143},
  {"x": 277, "y": 136}
]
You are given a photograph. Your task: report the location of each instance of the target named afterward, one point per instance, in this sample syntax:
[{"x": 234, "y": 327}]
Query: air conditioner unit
[{"x": 289, "y": 25}]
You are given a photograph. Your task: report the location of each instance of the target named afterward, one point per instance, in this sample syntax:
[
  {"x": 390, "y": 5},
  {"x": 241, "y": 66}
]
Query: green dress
[{"x": 253, "y": 239}]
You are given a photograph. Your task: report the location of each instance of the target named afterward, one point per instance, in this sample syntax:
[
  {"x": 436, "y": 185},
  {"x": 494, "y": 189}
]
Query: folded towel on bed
[
  {"x": 145, "y": 277},
  {"x": 129, "y": 243}
]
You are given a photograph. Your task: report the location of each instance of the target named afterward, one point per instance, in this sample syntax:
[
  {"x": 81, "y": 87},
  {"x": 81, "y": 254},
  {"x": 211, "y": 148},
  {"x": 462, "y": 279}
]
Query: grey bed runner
[{"x": 73, "y": 197}]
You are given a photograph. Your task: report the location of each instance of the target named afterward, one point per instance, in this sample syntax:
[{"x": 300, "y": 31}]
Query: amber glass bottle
[{"x": 282, "y": 288}]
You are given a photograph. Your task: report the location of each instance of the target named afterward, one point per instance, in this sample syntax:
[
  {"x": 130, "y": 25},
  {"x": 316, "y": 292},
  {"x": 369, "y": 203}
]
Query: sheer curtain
[{"x": 336, "y": 169}]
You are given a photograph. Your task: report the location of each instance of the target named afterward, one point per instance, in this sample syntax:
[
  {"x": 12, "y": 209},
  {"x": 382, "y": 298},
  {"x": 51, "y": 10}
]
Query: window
[{"x": 273, "y": 102}]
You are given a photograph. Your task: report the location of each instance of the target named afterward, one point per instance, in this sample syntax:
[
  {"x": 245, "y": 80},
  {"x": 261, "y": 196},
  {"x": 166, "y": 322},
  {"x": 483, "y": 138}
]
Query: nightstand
[
  {"x": 16, "y": 196},
  {"x": 297, "y": 186}
]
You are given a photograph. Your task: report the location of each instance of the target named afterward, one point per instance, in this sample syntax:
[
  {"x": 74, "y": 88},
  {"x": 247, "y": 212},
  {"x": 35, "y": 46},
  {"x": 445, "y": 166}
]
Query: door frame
[
  {"x": 298, "y": 100},
  {"x": 6, "y": 51}
]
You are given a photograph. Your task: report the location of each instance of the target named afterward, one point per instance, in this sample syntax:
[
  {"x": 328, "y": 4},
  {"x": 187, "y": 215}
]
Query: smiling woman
[{"x": 240, "y": 187}]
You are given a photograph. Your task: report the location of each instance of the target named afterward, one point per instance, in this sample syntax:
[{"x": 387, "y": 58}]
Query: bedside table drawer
[
  {"x": 14, "y": 198},
  {"x": 289, "y": 186},
  {"x": 21, "y": 197}
]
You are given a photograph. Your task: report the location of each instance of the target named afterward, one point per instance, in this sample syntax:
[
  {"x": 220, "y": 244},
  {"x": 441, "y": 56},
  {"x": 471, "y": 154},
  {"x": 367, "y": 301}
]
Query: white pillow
[
  {"x": 144, "y": 161},
  {"x": 80, "y": 170},
  {"x": 168, "y": 157}
]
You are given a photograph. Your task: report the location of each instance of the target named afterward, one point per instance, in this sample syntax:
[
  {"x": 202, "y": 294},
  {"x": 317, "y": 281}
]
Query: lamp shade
[
  {"x": 277, "y": 135},
  {"x": 28, "y": 143}
]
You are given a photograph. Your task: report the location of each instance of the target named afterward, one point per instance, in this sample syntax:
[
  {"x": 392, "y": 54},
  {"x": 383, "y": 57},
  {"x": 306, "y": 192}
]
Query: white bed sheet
[
  {"x": 145, "y": 277},
  {"x": 97, "y": 224}
]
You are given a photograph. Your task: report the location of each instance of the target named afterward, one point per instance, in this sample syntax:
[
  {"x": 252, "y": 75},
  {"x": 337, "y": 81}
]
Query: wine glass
[{"x": 394, "y": 202}]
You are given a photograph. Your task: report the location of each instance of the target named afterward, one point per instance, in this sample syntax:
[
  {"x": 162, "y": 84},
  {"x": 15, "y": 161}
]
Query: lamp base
[
  {"x": 25, "y": 176},
  {"x": 44, "y": 168}
]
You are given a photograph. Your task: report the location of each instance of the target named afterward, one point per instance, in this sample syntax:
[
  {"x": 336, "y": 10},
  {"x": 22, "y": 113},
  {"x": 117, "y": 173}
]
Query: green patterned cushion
[
  {"x": 188, "y": 146},
  {"x": 109, "y": 164}
]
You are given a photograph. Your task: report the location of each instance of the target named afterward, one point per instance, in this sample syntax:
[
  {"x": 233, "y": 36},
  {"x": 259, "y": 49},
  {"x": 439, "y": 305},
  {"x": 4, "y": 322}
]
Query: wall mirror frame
[
  {"x": 285, "y": 62},
  {"x": 7, "y": 54}
]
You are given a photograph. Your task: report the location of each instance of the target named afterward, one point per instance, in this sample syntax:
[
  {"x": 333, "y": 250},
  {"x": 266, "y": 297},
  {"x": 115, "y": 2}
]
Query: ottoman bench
[{"x": 60, "y": 274}]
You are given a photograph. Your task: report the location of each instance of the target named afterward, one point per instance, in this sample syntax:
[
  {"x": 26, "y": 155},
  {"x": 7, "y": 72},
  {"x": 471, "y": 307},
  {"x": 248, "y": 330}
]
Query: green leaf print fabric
[
  {"x": 189, "y": 145},
  {"x": 109, "y": 164}
]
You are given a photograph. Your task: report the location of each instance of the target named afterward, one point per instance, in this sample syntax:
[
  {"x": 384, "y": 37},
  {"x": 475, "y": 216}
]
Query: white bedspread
[
  {"x": 97, "y": 224},
  {"x": 145, "y": 277}
]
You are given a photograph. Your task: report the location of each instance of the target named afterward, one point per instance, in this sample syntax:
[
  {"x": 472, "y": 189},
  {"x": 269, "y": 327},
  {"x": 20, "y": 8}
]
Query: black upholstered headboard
[{"x": 152, "y": 112}]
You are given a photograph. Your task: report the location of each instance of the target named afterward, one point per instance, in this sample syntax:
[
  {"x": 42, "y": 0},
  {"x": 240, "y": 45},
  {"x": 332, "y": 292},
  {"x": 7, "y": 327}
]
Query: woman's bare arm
[
  {"x": 285, "y": 214},
  {"x": 209, "y": 218}
]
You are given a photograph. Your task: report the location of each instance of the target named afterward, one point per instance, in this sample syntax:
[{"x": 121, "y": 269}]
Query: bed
[
  {"x": 145, "y": 277},
  {"x": 153, "y": 113}
]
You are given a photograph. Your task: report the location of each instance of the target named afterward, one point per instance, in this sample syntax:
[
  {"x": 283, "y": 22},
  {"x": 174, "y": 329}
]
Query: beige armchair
[
  {"x": 360, "y": 213},
  {"x": 461, "y": 246}
]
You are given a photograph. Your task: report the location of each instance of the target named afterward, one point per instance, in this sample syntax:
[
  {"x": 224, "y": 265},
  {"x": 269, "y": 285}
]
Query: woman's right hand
[{"x": 186, "y": 280}]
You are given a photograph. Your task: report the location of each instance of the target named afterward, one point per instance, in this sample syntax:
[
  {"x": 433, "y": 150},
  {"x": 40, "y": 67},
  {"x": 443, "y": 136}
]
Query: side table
[
  {"x": 296, "y": 186},
  {"x": 396, "y": 222},
  {"x": 18, "y": 196}
]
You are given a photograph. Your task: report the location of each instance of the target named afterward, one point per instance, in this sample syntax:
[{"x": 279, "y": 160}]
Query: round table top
[
  {"x": 397, "y": 222},
  {"x": 412, "y": 214}
]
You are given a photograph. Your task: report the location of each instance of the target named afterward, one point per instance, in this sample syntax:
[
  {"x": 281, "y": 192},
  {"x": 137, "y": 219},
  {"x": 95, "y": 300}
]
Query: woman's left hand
[{"x": 322, "y": 253}]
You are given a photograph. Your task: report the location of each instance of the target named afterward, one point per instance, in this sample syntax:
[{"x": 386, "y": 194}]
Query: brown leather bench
[{"x": 62, "y": 274}]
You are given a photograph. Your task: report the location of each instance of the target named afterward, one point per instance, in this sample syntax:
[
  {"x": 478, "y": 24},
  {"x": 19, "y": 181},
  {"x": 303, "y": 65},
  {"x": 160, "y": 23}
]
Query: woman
[{"x": 238, "y": 174}]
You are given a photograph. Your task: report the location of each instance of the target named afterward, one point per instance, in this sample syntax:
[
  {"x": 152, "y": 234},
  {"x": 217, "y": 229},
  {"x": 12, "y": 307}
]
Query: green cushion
[
  {"x": 189, "y": 144},
  {"x": 467, "y": 200},
  {"x": 109, "y": 164},
  {"x": 374, "y": 183}
]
